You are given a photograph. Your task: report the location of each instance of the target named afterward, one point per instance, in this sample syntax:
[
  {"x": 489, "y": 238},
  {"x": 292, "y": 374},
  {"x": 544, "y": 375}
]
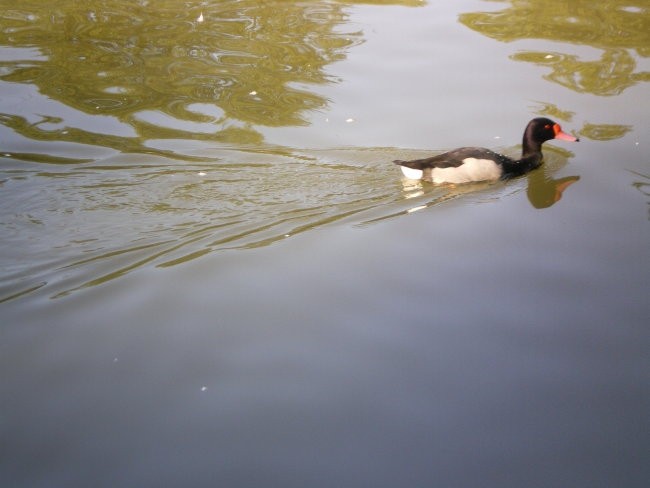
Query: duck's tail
[{"x": 408, "y": 171}]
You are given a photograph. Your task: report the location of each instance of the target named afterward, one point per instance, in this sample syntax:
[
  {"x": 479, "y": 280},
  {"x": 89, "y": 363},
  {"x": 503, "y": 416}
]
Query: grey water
[{"x": 212, "y": 274}]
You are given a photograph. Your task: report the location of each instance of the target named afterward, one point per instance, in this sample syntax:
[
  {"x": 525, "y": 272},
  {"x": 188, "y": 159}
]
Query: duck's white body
[{"x": 471, "y": 169}]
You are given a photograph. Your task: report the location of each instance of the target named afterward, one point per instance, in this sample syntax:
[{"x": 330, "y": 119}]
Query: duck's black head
[{"x": 540, "y": 130}]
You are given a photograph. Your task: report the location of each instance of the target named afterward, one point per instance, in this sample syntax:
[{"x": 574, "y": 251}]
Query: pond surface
[{"x": 213, "y": 275}]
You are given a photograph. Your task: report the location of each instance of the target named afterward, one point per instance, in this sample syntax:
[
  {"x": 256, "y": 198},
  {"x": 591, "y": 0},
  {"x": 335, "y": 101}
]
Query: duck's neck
[
  {"x": 531, "y": 153},
  {"x": 529, "y": 162},
  {"x": 530, "y": 146},
  {"x": 531, "y": 158}
]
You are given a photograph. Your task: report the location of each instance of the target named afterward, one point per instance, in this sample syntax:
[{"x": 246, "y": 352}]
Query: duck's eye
[{"x": 547, "y": 126}]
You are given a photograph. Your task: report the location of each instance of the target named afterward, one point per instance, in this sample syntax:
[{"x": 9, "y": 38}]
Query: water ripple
[{"x": 105, "y": 220}]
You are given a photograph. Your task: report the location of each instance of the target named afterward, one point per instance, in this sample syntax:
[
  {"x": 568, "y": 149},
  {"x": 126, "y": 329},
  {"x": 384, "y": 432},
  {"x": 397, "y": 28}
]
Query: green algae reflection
[
  {"x": 211, "y": 70},
  {"x": 619, "y": 29}
]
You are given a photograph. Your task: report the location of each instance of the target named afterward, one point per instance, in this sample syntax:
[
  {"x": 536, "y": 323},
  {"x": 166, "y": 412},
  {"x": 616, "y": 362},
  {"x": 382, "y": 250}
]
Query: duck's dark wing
[{"x": 453, "y": 159}]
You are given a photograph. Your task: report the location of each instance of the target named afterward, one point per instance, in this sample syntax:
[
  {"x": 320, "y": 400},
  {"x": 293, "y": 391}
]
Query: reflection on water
[
  {"x": 604, "y": 132},
  {"x": 544, "y": 191},
  {"x": 618, "y": 28},
  {"x": 642, "y": 184},
  {"x": 552, "y": 111},
  {"x": 608, "y": 76},
  {"x": 210, "y": 69}
]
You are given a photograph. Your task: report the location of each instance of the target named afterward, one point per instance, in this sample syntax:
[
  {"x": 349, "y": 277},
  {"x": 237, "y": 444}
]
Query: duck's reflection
[
  {"x": 542, "y": 190},
  {"x": 642, "y": 184}
]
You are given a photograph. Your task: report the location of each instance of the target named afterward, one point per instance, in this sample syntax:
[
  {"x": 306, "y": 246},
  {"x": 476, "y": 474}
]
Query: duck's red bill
[{"x": 563, "y": 135}]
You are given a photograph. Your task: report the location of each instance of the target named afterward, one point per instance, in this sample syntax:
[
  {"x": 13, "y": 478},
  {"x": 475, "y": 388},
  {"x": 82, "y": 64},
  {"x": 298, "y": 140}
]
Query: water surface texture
[{"x": 211, "y": 274}]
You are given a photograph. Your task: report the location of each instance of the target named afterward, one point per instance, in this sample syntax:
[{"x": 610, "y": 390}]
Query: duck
[{"x": 478, "y": 164}]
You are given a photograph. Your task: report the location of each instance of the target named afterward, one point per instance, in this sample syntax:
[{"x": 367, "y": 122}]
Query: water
[{"x": 212, "y": 273}]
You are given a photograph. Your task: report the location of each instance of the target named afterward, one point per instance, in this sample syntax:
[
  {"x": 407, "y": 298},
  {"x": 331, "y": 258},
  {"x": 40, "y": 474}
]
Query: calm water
[{"x": 212, "y": 275}]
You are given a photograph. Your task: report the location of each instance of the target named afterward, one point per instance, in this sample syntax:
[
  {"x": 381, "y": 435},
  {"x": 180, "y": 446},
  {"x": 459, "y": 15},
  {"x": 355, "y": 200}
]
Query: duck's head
[{"x": 541, "y": 129}]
